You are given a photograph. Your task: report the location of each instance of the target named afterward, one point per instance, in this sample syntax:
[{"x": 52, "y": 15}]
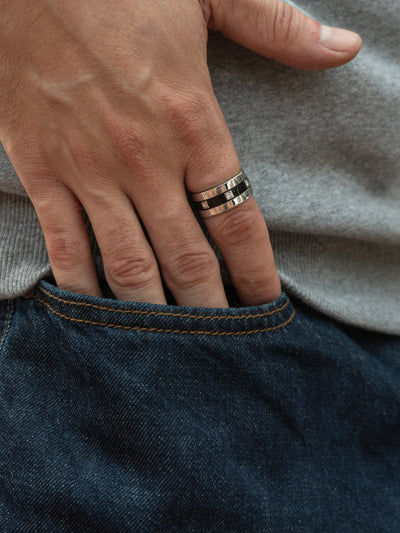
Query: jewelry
[{"x": 223, "y": 197}]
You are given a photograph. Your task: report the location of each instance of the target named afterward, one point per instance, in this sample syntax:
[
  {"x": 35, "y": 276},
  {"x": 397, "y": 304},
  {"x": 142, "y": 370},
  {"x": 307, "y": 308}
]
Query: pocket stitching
[
  {"x": 161, "y": 330},
  {"x": 160, "y": 313}
]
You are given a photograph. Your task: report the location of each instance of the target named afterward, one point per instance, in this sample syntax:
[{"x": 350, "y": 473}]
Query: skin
[{"x": 109, "y": 106}]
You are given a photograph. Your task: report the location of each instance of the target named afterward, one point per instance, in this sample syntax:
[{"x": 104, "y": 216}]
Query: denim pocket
[
  {"x": 164, "y": 319},
  {"x": 124, "y": 416},
  {"x": 120, "y": 416}
]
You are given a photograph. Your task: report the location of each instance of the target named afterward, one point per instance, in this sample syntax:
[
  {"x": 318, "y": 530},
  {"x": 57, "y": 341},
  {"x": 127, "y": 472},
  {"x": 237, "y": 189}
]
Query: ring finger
[{"x": 240, "y": 233}]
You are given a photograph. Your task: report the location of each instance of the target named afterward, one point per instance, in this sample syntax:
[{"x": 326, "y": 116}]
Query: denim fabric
[{"x": 127, "y": 417}]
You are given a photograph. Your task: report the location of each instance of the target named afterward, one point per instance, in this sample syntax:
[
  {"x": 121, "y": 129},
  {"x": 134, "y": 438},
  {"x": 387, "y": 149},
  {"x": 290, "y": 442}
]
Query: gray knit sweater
[{"x": 323, "y": 152}]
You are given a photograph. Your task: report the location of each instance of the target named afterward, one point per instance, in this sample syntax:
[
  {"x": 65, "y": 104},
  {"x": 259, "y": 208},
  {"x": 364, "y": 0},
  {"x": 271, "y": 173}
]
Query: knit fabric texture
[{"x": 322, "y": 150}]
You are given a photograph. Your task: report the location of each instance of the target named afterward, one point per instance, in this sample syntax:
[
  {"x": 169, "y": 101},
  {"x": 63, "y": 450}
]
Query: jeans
[{"x": 132, "y": 417}]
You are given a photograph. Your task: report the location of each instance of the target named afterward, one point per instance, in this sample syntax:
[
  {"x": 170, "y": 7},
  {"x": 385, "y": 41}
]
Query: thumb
[{"x": 277, "y": 30}]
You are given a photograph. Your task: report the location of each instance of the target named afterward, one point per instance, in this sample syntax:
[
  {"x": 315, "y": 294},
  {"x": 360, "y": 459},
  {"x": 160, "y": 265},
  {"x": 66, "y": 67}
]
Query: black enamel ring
[{"x": 223, "y": 197}]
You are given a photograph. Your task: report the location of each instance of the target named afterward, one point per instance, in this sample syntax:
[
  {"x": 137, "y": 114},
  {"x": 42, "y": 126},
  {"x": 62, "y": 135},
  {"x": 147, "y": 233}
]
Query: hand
[{"x": 109, "y": 106}]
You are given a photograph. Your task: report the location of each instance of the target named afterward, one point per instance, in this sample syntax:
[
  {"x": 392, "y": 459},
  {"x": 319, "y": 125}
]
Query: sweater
[{"x": 322, "y": 151}]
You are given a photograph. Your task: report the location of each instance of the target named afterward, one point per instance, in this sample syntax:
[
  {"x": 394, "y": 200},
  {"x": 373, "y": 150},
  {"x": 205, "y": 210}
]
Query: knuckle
[
  {"x": 130, "y": 272},
  {"x": 284, "y": 29},
  {"x": 64, "y": 250},
  {"x": 238, "y": 227},
  {"x": 131, "y": 147},
  {"x": 256, "y": 280},
  {"x": 33, "y": 166},
  {"x": 191, "y": 267},
  {"x": 192, "y": 117},
  {"x": 30, "y": 155},
  {"x": 259, "y": 287}
]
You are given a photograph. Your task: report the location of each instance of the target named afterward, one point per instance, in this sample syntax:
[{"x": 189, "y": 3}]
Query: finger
[
  {"x": 130, "y": 267},
  {"x": 67, "y": 239},
  {"x": 277, "y": 30},
  {"x": 242, "y": 237},
  {"x": 240, "y": 234},
  {"x": 188, "y": 264}
]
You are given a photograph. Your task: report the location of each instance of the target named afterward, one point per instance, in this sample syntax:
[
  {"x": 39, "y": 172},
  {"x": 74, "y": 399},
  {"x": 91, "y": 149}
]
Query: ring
[{"x": 223, "y": 197}]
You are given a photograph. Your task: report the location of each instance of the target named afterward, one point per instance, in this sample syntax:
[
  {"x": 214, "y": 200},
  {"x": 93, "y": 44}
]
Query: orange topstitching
[
  {"x": 160, "y": 313},
  {"x": 160, "y": 330}
]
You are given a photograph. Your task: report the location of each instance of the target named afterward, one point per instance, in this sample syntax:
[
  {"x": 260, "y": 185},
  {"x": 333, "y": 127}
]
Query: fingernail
[{"x": 338, "y": 40}]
